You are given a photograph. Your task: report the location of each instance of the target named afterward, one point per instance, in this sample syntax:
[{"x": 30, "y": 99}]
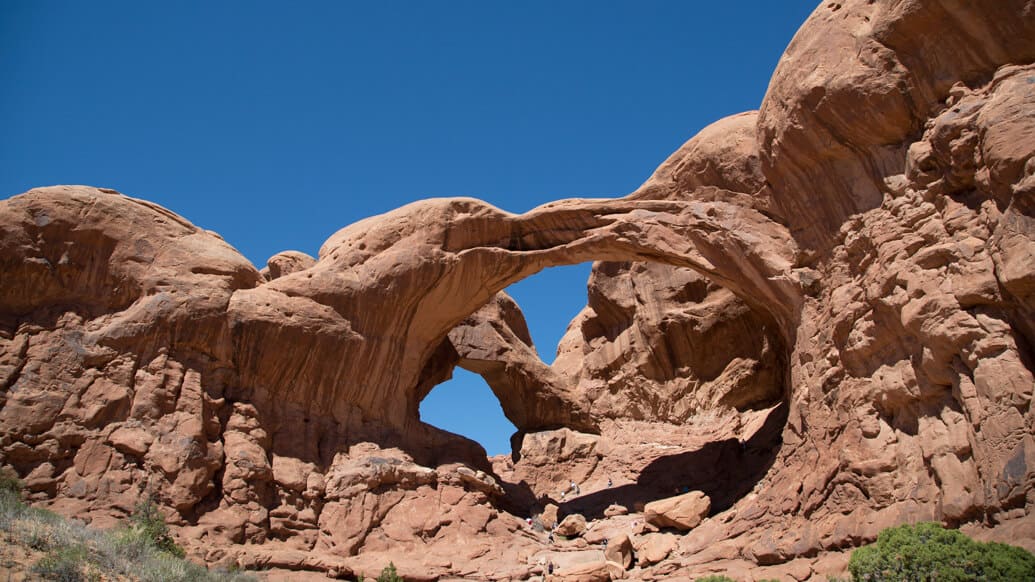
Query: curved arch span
[{"x": 387, "y": 290}]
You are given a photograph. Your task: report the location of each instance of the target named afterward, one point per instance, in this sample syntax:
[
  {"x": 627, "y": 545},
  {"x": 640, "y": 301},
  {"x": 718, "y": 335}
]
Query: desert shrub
[
  {"x": 388, "y": 574},
  {"x": 10, "y": 509},
  {"x": 43, "y": 530},
  {"x": 66, "y": 564},
  {"x": 131, "y": 552},
  {"x": 223, "y": 575},
  {"x": 122, "y": 551},
  {"x": 35, "y": 534},
  {"x": 143, "y": 550},
  {"x": 11, "y": 505},
  {"x": 167, "y": 568},
  {"x": 10, "y": 483},
  {"x": 147, "y": 523},
  {"x": 715, "y": 578},
  {"x": 928, "y": 552}
]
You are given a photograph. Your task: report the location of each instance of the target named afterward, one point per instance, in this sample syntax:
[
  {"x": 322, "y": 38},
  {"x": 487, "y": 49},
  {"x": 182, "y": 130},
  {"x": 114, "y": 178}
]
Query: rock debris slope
[{"x": 812, "y": 322}]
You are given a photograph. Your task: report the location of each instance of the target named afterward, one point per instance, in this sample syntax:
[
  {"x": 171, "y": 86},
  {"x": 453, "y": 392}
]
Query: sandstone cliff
[{"x": 817, "y": 319}]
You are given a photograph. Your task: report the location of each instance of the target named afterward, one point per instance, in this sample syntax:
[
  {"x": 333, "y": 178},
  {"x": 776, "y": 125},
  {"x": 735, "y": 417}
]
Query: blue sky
[{"x": 275, "y": 124}]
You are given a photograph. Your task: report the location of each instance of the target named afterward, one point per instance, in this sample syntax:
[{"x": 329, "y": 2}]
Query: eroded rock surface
[
  {"x": 682, "y": 512},
  {"x": 819, "y": 316}
]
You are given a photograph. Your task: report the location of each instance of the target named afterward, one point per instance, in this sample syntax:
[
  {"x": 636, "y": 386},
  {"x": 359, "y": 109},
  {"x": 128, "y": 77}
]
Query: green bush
[
  {"x": 10, "y": 483},
  {"x": 388, "y": 574},
  {"x": 65, "y": 564},
  {"x": 147, "y": 523},
  {"x": 166, "y": 568},
  {"x": 40, "y": 529},
  {"x": 143, "y": 550},
  {"x": 11, "y": 506},
  {"x": 928, "y": 552}
]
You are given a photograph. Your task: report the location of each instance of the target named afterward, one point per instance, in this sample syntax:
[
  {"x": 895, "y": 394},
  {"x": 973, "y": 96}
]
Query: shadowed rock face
[{"x": 818, "y": 315}]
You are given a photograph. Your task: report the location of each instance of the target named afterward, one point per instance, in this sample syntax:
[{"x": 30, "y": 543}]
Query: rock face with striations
[{"x": 818, "y": 315}]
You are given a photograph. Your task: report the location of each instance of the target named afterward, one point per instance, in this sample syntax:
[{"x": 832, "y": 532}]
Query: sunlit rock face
[{"x": 817, "y": 316}]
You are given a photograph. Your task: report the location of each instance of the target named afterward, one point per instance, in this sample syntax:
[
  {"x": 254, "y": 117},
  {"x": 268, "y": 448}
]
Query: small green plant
[
  {"x": 37, "y": 535},
  {"x": 76, "y": 553},
  {"x": 388, "y": 574},
  {"x": 715, "y": 578},
  {"x": 147, "y": 523},
  {"x": 10, "y": 483},
  {"x": 39, "y": 529},
  {"x": 928, "y": 552},
  {"x": 66, "y": 564}
]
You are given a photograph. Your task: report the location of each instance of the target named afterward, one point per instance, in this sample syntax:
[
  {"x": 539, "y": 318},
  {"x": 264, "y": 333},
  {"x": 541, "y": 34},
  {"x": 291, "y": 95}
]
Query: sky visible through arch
[{"x": 275, "y": 124}]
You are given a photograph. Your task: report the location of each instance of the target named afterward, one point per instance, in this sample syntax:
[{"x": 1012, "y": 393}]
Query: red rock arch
[{"x": 359, "y": 327}]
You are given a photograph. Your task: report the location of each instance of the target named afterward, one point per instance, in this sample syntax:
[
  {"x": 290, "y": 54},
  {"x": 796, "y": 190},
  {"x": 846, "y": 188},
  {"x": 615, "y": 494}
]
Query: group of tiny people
[{"x": 574, "y": 488}]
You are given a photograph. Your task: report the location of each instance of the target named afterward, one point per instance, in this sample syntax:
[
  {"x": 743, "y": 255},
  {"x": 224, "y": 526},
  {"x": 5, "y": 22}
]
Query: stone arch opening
[
  {"x": 465, "y": 405},
  {"x": 550, "y": 300},
  {"x": 385, "y": 300},
  {"x": 655, "y": 346},
  {"x": 499, "y": 348}
]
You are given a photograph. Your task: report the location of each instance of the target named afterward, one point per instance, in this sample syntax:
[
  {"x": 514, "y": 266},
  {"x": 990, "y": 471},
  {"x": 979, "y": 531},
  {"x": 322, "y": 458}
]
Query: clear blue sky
[{"x": 275, "y": 124}]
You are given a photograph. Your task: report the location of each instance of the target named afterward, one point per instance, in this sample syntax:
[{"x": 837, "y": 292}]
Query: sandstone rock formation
[
  {"x": 682, "y": 512},
  {"x": 819, "y": 315},
  {"x": 619, "y": 551},
  {"x": 572, "y": 525},
  {"x": 285, "y": 263}
]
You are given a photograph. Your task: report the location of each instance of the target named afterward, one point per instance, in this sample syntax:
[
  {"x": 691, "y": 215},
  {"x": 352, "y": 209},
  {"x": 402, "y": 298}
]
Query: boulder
[
  {"x": 654, "y": 547},
  {"x": 549, "y": 516},
  {"x": 682, "y": 512},
  {"x": 620, "y": 551},
  {"x": 287, "y": 262},
  {"x": 571, "y": 526},
  {"x": 589, "y": 572}
]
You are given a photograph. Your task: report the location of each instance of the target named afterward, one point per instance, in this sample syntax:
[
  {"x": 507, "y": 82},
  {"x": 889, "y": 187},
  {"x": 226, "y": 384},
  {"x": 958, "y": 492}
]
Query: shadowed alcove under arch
[{"x": 649, "y": 333}]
